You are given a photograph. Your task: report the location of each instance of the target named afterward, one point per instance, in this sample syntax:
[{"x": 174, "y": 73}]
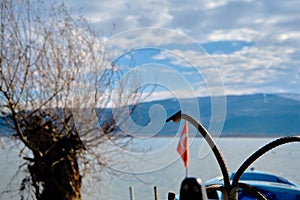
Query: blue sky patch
[{"x": 225, "y": 47}]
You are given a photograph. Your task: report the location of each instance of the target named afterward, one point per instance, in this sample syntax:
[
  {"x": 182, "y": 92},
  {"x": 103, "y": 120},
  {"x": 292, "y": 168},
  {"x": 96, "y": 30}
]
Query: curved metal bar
[
  {"x": 213, "y": 147},
  {"x": 259, "y": 153},
  {"x": 249, "y": 189},
  {"x": 221, "y": 188}
]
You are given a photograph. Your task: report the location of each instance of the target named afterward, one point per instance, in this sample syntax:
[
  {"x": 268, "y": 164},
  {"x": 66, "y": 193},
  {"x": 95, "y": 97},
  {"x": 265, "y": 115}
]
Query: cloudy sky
[{"x": 254, "y": 45}]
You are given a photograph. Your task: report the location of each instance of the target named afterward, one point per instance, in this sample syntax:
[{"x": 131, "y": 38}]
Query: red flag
[{"x": 183, "y": 145}]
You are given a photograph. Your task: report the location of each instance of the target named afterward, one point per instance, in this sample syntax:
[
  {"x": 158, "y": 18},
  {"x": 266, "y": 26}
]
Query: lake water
[{"x": 155, "y": 162}]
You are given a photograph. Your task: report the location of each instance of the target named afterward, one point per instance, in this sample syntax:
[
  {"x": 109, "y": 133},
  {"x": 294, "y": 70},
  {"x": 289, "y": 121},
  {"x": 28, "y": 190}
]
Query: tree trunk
[
  {"x": 54, "y": 169},
  {"x": 57, "y": 173}
]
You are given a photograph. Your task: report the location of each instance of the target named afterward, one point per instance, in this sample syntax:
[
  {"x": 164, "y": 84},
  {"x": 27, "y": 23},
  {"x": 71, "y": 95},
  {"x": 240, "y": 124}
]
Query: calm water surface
[{"x": 155, "y": 162}]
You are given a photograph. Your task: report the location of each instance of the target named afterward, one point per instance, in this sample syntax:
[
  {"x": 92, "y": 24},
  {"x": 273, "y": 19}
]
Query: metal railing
[{"x": 230, "y": 190}]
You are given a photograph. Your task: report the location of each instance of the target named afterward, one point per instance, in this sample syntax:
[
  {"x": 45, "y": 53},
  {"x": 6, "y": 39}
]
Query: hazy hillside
[
  {"x": 247, "y": 115},
  {"x": 262, "y": 115}
]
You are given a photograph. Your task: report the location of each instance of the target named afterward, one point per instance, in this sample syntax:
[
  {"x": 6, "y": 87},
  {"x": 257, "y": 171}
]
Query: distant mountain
[{"x": 261, "y": 115}]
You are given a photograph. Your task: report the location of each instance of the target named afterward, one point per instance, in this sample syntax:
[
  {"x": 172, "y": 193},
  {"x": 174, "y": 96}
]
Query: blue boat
[{"x": 273, "y": 187}]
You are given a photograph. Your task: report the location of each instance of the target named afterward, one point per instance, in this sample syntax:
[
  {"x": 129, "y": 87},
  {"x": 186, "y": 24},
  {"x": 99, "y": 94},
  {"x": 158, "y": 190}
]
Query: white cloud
[
  {"x": 243, "y": 34},
  {"x": 272, "y": 63}
]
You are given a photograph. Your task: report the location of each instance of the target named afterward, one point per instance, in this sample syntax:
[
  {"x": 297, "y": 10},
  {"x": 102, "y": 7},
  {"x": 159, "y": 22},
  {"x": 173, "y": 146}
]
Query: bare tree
[{"x": 53, "y": 76}]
